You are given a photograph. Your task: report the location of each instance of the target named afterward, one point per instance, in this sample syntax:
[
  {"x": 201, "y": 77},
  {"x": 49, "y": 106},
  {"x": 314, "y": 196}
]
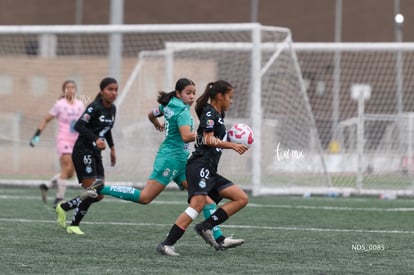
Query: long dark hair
[
  {"x": 164, "y": 98},
  {"x": 212, "y": 89},
  {"x": 105, "y": 82}
]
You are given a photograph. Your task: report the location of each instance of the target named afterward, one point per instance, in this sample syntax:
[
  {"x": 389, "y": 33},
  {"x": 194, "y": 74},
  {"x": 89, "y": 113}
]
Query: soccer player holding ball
[
  {"x": 201, "y": 170},
  {"x": 66, "y": 111}
]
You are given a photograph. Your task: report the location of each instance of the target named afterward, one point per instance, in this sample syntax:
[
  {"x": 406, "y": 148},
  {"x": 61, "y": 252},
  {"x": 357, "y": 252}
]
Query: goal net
[
  {"x": 271, "y": 97},
  {"x": 328, "y": 117},
  {"x": 362, "y": 101}
]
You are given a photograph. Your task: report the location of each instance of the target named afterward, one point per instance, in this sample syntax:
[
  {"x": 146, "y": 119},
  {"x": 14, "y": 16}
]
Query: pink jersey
[{"x": 66, "y": 115}]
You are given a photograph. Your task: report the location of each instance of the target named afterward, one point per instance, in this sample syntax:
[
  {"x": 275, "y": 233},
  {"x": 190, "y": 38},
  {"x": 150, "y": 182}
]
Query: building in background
[{"x": 310, "y": 21}]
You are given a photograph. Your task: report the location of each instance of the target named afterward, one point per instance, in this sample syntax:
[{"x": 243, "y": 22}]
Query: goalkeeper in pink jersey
[{"x": 66, "y": 110}]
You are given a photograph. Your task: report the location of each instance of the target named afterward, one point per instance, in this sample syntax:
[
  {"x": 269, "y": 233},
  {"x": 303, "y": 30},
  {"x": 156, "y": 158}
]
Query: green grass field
[{"x": 284, "y": 235}]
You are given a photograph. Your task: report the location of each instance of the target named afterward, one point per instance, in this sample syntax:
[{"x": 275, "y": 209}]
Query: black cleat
[{"x": 43, "y": 190}]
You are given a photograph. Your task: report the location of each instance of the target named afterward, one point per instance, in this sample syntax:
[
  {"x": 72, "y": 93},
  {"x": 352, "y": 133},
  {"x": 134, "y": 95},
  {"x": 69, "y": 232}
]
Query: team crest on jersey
[
  {"x": 88, "y": 169},
  {"x": 86, "y": 117},
  {"x": 166, "y": 172},
  {"x": 202, "y": 183}
]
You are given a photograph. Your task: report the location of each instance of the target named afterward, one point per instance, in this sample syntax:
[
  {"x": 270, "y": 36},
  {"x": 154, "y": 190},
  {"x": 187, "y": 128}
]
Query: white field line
[
  {"x": 333, "y": 208},
  {"x": 283, "y": 206},
  {"x": 279, "y": 228}
]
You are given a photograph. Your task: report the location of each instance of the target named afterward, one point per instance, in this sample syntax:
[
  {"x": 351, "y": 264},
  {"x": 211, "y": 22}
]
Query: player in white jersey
[{"x": 66, "y": 111}]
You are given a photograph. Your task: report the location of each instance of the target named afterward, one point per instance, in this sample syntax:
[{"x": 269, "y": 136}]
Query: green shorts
[{"x": 166, "y": 170}]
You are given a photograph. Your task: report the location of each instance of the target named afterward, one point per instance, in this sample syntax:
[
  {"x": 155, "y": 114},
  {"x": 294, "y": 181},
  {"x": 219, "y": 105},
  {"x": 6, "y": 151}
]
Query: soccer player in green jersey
[{"x": 171, "y": 159}]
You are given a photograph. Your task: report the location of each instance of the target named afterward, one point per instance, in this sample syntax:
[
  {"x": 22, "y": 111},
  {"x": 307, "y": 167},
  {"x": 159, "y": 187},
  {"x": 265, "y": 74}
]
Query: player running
[
  {"x": 94, "y": 127},
  {"x": 201, "y": 171},
  {"x": 66, "y": 110},
  {"x": 172, "y": 155}
]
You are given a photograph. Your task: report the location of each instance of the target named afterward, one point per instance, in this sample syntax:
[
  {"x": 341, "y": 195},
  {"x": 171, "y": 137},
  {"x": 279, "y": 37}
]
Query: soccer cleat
[
  {"x": 207, "y": 235},
  {"x": 93, "y": 190},
  {"x": 167, "y": 250},
  {"x": 61, "y": 215},
  {"x": 229, "y": 242},
  {"x": 73, "y": 229},
  {"x": 43, "y": 189}
]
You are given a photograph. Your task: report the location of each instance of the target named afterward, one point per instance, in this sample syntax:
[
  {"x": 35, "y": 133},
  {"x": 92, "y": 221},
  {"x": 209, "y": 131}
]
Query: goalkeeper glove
[{"x": 36, "y": 137}]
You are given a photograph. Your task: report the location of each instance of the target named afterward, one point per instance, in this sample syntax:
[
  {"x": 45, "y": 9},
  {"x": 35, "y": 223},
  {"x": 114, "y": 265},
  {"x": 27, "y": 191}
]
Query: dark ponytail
[
  {"x": 164, "y": 98},
  {"x": 212, "y": 89}
]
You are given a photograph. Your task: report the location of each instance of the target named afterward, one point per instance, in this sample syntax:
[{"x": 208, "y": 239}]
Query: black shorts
[
  {"x": 202, "y": 181},
  {"x": 88, "y": 164}
]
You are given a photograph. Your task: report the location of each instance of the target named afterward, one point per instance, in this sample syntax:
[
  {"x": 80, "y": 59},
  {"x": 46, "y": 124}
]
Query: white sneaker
[
  {"x": 167, "y": 250},
  {"x": 229, "y": 242},
  {"x": 93, "y": 190},
  {"x": 207, "y": 235},
  {"x": 88, "y": 194}
]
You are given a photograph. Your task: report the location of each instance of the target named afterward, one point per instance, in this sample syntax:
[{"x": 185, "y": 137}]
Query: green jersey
[{"x": 176, "y": 114}]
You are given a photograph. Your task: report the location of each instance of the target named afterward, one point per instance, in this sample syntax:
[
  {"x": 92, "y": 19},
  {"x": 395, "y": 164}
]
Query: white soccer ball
[{"x": 241, "y": 133}]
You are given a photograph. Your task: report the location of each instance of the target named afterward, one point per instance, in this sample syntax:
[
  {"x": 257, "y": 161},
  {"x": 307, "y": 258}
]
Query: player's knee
[
  {"x": 144, "y": 200},
  {"x": 243, "y": 199},
  {"x": 198, "y": 202},
  {"x": 70, "y": 174},
  {"x": 145, "y": 196}
]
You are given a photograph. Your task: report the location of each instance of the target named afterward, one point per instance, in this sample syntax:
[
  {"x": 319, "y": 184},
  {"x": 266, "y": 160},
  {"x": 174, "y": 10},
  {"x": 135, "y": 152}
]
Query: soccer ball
[{"x": 241, "y": 133}]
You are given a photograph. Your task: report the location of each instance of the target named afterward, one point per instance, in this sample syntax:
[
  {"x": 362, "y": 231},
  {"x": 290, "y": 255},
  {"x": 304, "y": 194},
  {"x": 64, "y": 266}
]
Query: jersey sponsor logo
[
  {"x": 123, "y": 189},
  {"x": 168, "y": 113},
  {"x": 103, "y": 119},
  {"x": 104, "y": 130}
]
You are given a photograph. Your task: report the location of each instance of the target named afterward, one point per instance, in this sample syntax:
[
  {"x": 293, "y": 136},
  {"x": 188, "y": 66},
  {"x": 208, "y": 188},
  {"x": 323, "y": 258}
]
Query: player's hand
[
  {"x": 100, "y": 144},
  {"x": 240, "y": 148},
  {"x": 113, "y": 156},
  {"x": 159, "y": 127},
  {"x": 36, "y": 137},
  {"x": 34, "y": 140}
]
